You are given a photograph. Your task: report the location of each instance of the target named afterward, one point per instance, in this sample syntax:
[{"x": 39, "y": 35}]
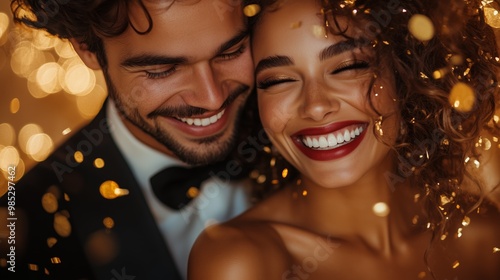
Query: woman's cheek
[{"x": 274, "y": 115}]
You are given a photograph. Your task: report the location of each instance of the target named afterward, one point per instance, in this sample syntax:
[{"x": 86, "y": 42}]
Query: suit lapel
[{"x": 117, "y": 250}]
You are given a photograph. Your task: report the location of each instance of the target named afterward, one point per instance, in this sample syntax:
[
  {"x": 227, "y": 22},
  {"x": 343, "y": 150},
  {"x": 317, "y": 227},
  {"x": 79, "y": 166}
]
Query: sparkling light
[
  {"x": 79, "y": 79},
  {"x": 47, "y": 77},
  {"x": 421, "y": 27},
  {"x": 7, "y": 134},
  {"x": 89, "y": 105},
  {"x": 8, "y": 156},
  {"x": 39, "y": 146},
  {"x": 381, "y": 209},
  {"x": 111, "y": 190},
  {"x": 251, "y": 10},
  {"x": 462, "y": 97},
  {"x": 25, "y": 134}
]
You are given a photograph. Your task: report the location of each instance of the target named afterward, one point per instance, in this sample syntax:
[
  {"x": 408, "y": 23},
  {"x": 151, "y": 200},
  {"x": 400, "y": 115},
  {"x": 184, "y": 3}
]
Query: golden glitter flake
[
  {"x": 251, "y": 10},
  {"x": 62, "y": 225},
  {"x": 33, "y": 267},
  {"x": 496, "y": 250},
  {"x": 296, "y": 24},
  {"x": 261, "y": 179},
  {"x": 466, "y": 221},
  {"x": 192, "y": 192},
  {"x": 55, "y": 260},
  {"x": 108, "y": 222},
  {"x": 462, "y": 97},
  {"x": 459, "y": 232},
  {"x": 49, "y": 203},
  {"x": 304, "y": 193},
  {"x": 111, "y": 190},
  {"x": 421, "y": 27},
  {"x": 492, "y": 14},
  {"x": 319, "y": 31},
  {"x": 51, "y": 241},
  {"x": 445, "y": 200},
  {"x": 99, "y": 163},
  {"x": 78, "y": 156},
  {"x": 381, "y": 209},
  {"x": 284, "y": 173},
  {"x": 455, "y": 264}
]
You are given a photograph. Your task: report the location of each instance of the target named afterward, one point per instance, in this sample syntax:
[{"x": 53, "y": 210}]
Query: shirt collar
[{"x": 142, "y": 159}]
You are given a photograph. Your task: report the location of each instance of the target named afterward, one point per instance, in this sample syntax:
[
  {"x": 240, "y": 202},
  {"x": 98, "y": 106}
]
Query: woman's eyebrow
[
  {"x": 273, "y": 61},
  {"x": 340, "y": 47}
]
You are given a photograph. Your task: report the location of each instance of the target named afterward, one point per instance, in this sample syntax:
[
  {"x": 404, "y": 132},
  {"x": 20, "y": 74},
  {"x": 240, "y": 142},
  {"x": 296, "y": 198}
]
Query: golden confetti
[
  {"x": 459, "y": 232},
  {"x": 444, "y": 199},
  {"x": 456, "y": 59},
  {"x": 496, "y": 250},
  {"x": 78, "y": 156},
  {"x": 319, "y": 31},
  {"x": 438, "y": 74},
  {"x": 466, "y": 221},
  {"x": 108, "y": 222},
  {"x": 49, "y": 203},
  {"x": 55, "y": 260},
  {"x": 261, "y": 179},
  {"x": 381, "y": 209},
  {"x": 192, "y": 192},
  {"x": 51, "y": 241},
  {"x": 296, "y": 24},
  {"x": 492, "y": 15},
  {"x": 267, "y": 149},
  {"x": 304, "y": 193},
  {"x": 111, "y": 190},
  {"x": 421, "y": 27},
  {"x": 99, "y": 163},
  {"x": 462, "y": 97},
  {"x": 33, "y": 267},
  {"x": 15, "y": 104},
  {"x": 456, "y": 264},
  {"x": 443, "y": 237},
  {"x": 62, "y": 225},
  {"x": 272, "y": 162},
  {"x": 251, "y": 10},
  {"x": 284, "y": 173}
]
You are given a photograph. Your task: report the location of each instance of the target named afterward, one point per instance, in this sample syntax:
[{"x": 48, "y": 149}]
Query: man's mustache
[{"x": 188, "y": 111}]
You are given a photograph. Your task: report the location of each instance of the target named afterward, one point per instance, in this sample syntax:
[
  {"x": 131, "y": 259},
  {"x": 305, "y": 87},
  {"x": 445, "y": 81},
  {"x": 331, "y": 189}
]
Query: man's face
[{"x": 180, "y": 88}]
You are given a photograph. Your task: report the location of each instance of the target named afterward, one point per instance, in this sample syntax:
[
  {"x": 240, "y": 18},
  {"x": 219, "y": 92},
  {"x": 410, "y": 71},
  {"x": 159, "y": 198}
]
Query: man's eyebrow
[
  {"x": 340, "y": 47},
  {"x": 233, "y": 41},
  {"x": 148, "y": 60},
  {"x": 273, "y": 61}
]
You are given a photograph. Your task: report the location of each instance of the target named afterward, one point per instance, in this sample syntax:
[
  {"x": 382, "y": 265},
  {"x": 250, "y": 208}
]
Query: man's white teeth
[
  {"x": 332, "y": 140},
  {"x": 205, "y": 121}
]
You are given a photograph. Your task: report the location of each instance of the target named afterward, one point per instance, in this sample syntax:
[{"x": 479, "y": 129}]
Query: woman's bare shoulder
[{"x": 239, "y": 249}]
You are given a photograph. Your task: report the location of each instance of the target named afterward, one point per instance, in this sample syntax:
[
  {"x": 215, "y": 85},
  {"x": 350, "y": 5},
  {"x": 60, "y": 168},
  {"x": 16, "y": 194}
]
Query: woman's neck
[{"x": 372, "y": 209}]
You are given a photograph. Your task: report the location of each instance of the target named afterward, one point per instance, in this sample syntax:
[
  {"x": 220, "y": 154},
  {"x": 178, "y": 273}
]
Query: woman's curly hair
[{"x": 435, "y": 138}]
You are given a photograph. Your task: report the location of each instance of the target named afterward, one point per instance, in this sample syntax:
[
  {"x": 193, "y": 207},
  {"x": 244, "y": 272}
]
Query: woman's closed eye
[
  {"x": 351, "y": 65},
  {"x": 269, "y": 82}
]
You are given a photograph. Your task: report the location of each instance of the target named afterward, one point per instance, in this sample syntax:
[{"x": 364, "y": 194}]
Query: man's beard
[{"x": 210, "y": 148}]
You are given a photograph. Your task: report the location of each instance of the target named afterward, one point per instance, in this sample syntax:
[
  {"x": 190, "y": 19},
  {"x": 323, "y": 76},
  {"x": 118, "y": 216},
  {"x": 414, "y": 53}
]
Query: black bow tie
[{"x": 176, "y": 186}]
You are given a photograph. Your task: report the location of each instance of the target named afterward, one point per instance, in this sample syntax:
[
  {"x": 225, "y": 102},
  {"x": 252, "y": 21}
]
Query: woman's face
[{"x": 312, "y": 94}]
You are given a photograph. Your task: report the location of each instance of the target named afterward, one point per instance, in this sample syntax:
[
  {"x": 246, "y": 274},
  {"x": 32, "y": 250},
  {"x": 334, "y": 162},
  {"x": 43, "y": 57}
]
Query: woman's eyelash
[
  {"x": 267, "y": 83},
  {"x": 351, "y": 65}
]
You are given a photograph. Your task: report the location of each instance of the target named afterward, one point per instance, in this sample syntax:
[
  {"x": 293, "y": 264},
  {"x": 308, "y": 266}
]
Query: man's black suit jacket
[{"x": 64, "y": 227}]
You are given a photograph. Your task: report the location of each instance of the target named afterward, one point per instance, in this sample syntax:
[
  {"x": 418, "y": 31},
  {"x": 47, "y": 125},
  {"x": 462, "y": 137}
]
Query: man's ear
[{"x": 88, "y": 57}]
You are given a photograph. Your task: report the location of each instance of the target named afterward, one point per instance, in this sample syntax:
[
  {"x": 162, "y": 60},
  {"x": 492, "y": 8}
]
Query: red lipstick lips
[{"x": 330, "y": 142}]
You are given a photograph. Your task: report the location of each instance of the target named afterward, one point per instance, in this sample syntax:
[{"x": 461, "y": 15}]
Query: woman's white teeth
[
  {"x": 332, "y": 140},
  {"x": 205, "y": 121}
]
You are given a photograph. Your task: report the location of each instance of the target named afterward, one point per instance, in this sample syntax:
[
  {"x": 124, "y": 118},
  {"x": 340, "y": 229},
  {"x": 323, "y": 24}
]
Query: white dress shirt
[{"x": 216, "y": 202}]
